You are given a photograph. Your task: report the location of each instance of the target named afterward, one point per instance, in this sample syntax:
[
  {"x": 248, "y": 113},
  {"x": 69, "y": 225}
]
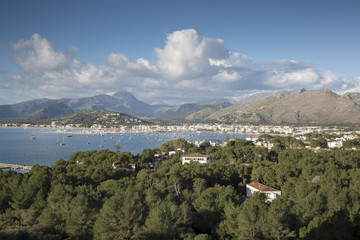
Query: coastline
[{"x": 196, "y": 128}]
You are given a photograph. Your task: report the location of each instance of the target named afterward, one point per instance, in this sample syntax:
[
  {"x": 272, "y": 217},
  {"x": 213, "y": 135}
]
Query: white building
[
  {"x": 172, "y": 153},
  {"x": 195, "y": 157},
  {"x": 302, "y": 138},
  {"x": 271, "y": 193},
  {"x": 337, "y": 143},
  {"x": 252, "y": 138},
  {"x": 267, "y": 144}
]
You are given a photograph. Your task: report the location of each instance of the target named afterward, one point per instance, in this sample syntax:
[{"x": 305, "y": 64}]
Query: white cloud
[
  {"x": 117, "y": 60},
  {"x": 350, "y": 85},
  {"x": 187, "y": 53},
  {"x": 226, "y": 76},
  {"x": 37, "y": 55},
  {"x": 189, "y": 67},
  {"x": 331, "y": 80},
  {"x": 120, "y": 61},
  {"x": 233, "y": 60},
  {"x": 303, "y": 77}
]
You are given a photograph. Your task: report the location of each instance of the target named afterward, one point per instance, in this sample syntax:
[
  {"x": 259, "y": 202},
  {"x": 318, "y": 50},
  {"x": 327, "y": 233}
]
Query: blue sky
[{"x": 176, "y": 51}]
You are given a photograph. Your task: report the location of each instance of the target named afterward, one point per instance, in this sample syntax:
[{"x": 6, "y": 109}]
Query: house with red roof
[{"x": 271, "y": 193}]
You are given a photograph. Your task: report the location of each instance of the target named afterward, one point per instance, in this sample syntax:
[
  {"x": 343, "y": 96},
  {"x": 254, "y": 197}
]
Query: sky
[{"x": 176, "y": 52}]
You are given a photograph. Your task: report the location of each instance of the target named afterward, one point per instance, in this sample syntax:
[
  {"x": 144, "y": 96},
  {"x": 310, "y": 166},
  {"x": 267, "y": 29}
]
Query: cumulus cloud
[
  {"x": 331, "y": 80},
  {"x": 37, "y": 56},
  {"x": 299, "y": 78},
  {"x": 226, "y": 76},
  {"x": 140, "y": 67},
  {"x": 189, "y": 67},
  {"x": 350, "y": 85},
  {"x": 188, "y": 54}
]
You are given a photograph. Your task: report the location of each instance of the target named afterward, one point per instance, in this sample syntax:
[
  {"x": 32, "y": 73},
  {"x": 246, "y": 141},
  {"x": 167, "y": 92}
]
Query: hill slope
[
  {"x": 123, "y": 102},
  {"x": 313, "y": 107},
  {"x": 119, "y": 102},
  {"x": 352, "y": 96},
  {"x": 101, "y": 117},
  {"x": 263, "y": 95},
  {"x": 51, "y": 110},
  {"x": 24, "y": 109},
  {"x": 184, "y": 110}
]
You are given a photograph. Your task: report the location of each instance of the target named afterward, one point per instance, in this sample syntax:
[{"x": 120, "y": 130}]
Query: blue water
[{"x": 17, "y": 147}]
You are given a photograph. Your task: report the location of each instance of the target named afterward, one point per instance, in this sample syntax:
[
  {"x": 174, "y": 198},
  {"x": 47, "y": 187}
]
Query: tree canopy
[{"x": 97, "y": 195}]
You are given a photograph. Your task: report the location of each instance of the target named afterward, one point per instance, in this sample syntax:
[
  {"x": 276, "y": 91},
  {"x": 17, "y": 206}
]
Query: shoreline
[{"x": 284, "y": 130}]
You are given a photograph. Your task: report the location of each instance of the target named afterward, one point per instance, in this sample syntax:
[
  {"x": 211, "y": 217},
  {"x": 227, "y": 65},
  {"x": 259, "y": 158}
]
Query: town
[{"x": 339, "y": 134}]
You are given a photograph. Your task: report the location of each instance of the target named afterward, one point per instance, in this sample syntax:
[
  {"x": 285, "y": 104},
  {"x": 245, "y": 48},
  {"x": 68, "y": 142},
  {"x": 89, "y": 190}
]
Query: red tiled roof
[{"x": 261, "y": 187}]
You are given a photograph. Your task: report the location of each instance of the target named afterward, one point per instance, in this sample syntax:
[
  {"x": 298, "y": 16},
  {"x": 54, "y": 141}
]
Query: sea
[{"x": 43, "y": 146}]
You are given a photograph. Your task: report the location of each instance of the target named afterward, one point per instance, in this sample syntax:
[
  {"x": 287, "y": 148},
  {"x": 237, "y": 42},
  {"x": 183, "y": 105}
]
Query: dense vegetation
[
  {"x": 96, "y": 195},
  {"x": 86, "y": 119}
]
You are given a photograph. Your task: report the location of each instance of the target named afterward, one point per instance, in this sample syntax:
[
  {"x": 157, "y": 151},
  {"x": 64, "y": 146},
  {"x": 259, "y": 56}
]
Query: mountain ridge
[
  {"x": 298, "y": 106},
  {"x": 182, "y": 111},
  {"x": 122, "y": 101},
  {"x": 309, "y": 107}
]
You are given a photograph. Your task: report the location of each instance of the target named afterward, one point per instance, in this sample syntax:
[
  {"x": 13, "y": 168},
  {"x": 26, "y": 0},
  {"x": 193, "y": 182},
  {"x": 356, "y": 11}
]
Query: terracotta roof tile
[{"x": 261, "y": 187}]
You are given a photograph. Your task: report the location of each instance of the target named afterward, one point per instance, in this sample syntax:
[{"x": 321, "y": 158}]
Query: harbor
[{"x": 6, "y": 166}]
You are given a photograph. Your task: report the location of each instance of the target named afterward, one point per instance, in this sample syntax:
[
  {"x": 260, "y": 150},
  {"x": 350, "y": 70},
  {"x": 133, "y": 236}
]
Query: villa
[
  {"x": 195, "y": 157},
  {"x": 271, "y": 193}
]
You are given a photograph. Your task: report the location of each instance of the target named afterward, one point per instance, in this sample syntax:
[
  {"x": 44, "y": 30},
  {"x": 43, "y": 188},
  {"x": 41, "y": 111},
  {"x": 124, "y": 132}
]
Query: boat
[
  {"x": 33, "y": 135},
  {"x": 63, "y": 142}
]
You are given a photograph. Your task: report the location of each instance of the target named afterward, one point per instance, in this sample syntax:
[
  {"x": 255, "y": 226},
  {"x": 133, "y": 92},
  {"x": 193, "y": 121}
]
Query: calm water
[{"x": 17, "y": 147}]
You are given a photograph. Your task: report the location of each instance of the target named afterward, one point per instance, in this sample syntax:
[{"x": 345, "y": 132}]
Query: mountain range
[
  {"x": 182, "y": 111},
  {"x": 123, "y": 102},
  {"x": 298, "y": 106},
  {"x": 307, "y": 107}
]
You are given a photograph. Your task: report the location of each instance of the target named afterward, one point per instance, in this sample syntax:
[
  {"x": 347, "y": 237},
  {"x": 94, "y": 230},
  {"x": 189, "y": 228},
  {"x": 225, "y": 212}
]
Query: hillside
[
  {"x": 352, "y": 96},
  {"x": 51, "y": 111},
  {"x": 182, "y": 111},
  {"x": 118, "y": 102},
  {"x": 123, "y": 102},
  {"x": 310, "y": 107},
  {"x": 24, "y": 109},
  {"x": 100, "y": 117},
  {"x": 199, "y": 115},
  {"x": 263, "y": 95},
  {"x": 283, "y": 107},
  {"x": 252, "y": 112},
  {"x": 97, "y": 195}
]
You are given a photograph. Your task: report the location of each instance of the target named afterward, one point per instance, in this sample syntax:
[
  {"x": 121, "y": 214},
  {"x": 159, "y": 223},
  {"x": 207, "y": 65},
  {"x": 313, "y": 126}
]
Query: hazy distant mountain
[
  {"x": 123, "y": 102},
  {"x": 24, "y": 109},
  {"x": 313, "y": 107},
  {"x": 159, "y": 108},
  {"x": 184, "y": 110},
  {"x": 218, "y": 104},
  {"x": 200, "y": 115},
  {"x": 51, "y": 110},
  {"x": 282, "y": 107}
]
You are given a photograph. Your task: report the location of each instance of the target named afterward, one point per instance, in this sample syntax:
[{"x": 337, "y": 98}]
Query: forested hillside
[{"x": 96, "y": 195}]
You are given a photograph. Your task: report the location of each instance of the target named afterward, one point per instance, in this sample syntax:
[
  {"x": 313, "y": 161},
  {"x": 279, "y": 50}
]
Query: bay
[{"x": 18, "y": 147}]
